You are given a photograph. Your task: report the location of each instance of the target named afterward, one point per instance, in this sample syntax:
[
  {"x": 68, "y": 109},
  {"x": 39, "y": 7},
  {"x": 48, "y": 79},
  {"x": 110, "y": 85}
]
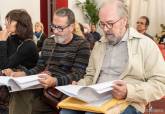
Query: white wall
[
  {"x": 32, "y": 7},
  {"x": 78, "y": 14}
]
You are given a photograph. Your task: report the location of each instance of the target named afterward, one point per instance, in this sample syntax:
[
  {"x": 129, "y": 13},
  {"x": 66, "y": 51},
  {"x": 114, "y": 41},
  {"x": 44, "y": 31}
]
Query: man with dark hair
[
  {"x": 142, "y": 25},
  {"x": 64, "y": 56},
  {"x": 95, "y": 34}
]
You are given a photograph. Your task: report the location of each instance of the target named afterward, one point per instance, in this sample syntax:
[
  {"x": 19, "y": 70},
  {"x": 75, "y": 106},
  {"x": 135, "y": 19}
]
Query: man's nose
[
  {"x": 105, "y": 28},
  {"x": 55, "y": 31}
]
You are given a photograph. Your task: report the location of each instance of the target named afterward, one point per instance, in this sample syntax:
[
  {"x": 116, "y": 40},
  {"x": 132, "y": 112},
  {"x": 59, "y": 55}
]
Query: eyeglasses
[
  {"x": 58, "y": 28},
  {"x": 107, "y": 24}
]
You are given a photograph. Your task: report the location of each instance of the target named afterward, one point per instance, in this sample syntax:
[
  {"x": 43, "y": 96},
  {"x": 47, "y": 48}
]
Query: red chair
[
  {"x": 162, "y": 49},
  {"x": 156, "y": 107}
]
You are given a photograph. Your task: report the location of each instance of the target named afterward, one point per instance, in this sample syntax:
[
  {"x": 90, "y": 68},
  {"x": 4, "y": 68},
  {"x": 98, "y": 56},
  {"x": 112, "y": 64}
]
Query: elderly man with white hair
[{"x": 130, "y": 58}]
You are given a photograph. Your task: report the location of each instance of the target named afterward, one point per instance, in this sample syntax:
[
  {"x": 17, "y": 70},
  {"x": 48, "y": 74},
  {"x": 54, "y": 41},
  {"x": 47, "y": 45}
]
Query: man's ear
[
  {"x": 125, "y": 21},
  {"x": 71, "y": 28}
]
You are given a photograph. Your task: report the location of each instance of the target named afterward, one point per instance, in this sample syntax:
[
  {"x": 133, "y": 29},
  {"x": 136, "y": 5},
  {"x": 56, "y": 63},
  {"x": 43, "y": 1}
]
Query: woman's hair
[
  {"x": 40, "y": 24},
  {"x": 24, "y": 27},
  {"x": 78, "y": 30}
]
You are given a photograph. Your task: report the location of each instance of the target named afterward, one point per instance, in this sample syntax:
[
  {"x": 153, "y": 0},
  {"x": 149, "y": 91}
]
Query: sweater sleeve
[
  {"x": 41, "y": 63},
  {"x": 38, "y": 68}
]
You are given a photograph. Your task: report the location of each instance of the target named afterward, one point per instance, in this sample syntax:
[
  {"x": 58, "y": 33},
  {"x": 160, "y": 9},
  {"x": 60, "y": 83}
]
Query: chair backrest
[{"x": 156, "y": 107}]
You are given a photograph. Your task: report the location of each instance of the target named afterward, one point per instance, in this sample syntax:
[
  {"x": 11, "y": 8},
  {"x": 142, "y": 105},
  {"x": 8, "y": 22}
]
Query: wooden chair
[{"x": 156, "y": 107}]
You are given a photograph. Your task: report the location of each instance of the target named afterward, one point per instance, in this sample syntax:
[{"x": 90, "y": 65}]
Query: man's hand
[
  {"x": 74, "y": 83},
  {"x": 47, "y": 81},
  {"x": 18, "y": 74},
  {"x": 119, "y": 90},
  {"x": 4, "y": 35},
  {"x": 7, "y": 72}
]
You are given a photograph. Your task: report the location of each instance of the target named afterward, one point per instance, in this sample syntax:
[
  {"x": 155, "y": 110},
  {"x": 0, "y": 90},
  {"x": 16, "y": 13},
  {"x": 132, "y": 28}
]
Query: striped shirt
[{"x": 68, "y": 62}]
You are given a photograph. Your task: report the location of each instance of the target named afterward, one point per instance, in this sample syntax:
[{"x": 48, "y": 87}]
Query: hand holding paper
[
  {"x": 119, "y": 90},
  {"x": 93, "y": 93},
  {"x": 95, "y": 98},
  {"x": 21, "y": 83},
  {"x": 47, "y": 81}
]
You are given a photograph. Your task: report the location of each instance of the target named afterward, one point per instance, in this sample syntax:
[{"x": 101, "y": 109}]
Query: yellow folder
[{"x": 75, "y": 104}]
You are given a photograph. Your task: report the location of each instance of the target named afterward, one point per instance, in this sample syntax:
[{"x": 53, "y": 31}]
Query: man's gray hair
[
  {"x": 66, "y": 12},
  {"x": 121, "y": 6}
]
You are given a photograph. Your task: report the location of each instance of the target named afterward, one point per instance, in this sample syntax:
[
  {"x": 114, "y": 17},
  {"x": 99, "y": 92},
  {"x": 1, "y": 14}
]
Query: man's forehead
[
  {"x": 59, "y": 19},
  {"x": 141, "y": 20},
  {"x": 108, "y": 12}
]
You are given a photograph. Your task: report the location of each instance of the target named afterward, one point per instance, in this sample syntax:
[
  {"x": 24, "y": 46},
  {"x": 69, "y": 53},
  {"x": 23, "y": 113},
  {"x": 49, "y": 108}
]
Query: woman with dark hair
[
  {"x": 18, "y": 51},
  {"x": 16, "y": 44}
]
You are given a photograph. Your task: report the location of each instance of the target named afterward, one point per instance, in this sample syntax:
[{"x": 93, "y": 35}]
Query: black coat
[{"x": 15, "y": 52}]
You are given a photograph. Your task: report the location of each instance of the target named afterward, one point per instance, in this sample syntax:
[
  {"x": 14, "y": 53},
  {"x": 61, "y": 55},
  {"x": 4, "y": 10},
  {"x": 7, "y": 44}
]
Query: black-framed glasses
[
  {"x": 58, "y": 28},
  {"x": 108, "y": 24}
]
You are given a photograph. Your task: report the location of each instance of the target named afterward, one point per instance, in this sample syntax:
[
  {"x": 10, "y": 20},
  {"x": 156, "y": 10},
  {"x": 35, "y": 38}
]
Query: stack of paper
[
  {"x": 93, "y": 94},
  {"x": 21, "y": 83}
]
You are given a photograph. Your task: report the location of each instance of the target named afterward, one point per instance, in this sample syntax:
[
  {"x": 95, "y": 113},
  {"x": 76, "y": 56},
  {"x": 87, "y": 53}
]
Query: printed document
[
  {"x": 93, "y": 94},
  {"x": 21, "y": 83}
]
